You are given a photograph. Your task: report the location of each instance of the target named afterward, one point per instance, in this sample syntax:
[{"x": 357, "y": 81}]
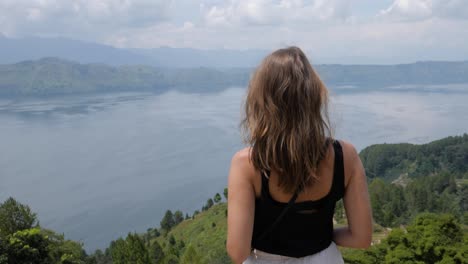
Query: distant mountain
[
  {"x": 399, "y": 75},
  {"x": 33, "y": 48},
  {"x": 13, "y": 50},
  {"x": 52, "y": 76}
]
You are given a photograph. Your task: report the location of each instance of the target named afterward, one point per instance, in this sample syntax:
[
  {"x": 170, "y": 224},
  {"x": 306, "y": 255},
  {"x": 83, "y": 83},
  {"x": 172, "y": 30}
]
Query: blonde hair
[{"x": 286, "y": 119}]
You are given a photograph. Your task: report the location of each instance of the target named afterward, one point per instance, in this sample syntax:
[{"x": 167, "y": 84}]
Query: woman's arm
[
  {"x": 241, "y": 207},
  {"x": 358, "y": 233}
]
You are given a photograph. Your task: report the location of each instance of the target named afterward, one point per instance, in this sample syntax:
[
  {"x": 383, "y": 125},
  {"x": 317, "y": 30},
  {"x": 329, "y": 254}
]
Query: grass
[{"x": 206, "y": 233}]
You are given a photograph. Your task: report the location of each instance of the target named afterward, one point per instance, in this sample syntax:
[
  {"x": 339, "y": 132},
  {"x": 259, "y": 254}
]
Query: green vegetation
[
  {"x": 200, "y": 238},
  {"x": 430, "y": 238},
  {"x": 205, "y": 234},
  {"x": 391, "y": 161},
  {"x": 423, "y": 220},
  {"x": 393, "y": 205},
  {"x": 52, "y": 76},
  {"x": 15, "y": 216},
  {"x": 22, "y": 240}
]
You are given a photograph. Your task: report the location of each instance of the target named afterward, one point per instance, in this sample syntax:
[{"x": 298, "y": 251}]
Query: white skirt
[{"x": 330, "y": 255}]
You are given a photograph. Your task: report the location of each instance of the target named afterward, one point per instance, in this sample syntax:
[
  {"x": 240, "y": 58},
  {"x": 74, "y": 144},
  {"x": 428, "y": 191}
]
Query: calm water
[{"x": 98, "y": 167}]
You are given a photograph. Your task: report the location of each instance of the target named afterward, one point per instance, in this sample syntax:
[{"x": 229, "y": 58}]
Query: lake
[{"x": 96, "y": 167}]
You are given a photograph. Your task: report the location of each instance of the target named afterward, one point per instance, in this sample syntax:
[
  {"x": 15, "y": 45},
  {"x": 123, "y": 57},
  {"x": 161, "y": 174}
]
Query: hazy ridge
[{"x": 53, "y": 76}]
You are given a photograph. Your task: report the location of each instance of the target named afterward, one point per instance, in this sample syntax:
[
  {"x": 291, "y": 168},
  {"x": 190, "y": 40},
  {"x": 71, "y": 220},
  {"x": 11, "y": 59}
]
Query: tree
[
  {"x": 172, "y": 240},
  {"x": 195, "y": 214},
  {"x": 156, "y": 253},
  {"x": 181, "y": 244},
  {"x": 130, "y": 250},
  {"x": 118, "y": 251},
  {"x": 64, "y": 251},
  {"x": 3, "y": 252},
  {"x": 27, "y": 246},
  {"x": 433, "y": 236},
  {"x": 430, "y": 238},
  {"x": 136, "y": 250},
  {"x": 178, "y": 217},
  {"x": 171, "y": 259},
  {"x": 209, "y": 204},
  {"x": 168, "y": 221},
  {"x": 15, "y": 216},
  {"x": 100, "y": 258},
  {"x": 464, "y": 199},
  {"x": 225, "y": 193},
  {"x": 155, "y": 232},
  {"x": 389, "y": 203},
  {"x": 217, "y": 198}
]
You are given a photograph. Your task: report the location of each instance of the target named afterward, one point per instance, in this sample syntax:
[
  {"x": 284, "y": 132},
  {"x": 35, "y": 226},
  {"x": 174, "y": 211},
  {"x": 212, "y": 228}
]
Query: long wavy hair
[{"x": 286, "y": 119}]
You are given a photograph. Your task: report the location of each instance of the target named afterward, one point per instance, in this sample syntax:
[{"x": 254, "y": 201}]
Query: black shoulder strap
[
  {"x": 338, "y": 171},
  {"x": 282, "y": 214},
  {"x": 265, "y": 188}
]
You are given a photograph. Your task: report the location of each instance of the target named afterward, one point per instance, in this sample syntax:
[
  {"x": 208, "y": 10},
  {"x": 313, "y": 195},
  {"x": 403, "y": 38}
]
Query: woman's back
[
  {"x": 310, "y": 193},
  {"x": 306, "y": 226},
  {"x": 283, "y": 188}
]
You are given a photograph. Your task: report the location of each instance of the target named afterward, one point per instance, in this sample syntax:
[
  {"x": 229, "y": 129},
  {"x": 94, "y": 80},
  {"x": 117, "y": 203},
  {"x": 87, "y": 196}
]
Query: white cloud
[
  {"x": 408, "y": 10},
  {"x": 45, "y": 17},
  {"x": 416, "y": 29},
  {"x": 412, "y": 10},
  {"x": 273, "y": 13}
]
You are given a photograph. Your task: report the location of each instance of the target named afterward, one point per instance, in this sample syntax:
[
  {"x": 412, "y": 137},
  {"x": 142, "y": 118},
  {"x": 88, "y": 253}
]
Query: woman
[{"x": 283, "y": 188}]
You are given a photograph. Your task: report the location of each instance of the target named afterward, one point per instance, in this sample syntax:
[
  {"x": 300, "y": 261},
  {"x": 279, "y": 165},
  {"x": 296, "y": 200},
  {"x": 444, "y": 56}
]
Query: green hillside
[
  {"x": 391, "y": 161},
  {"x": 53, "y": 76},
  {"x": 206, "y": 232}
]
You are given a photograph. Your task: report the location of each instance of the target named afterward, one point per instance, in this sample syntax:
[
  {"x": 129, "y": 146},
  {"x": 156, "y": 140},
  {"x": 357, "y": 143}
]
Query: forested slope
[
  {"x": 390, "y": 161},
  {"x": 54, "y": 76}
]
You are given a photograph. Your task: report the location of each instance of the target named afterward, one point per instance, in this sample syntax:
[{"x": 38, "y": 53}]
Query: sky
[{"x": 411, "y": 29}]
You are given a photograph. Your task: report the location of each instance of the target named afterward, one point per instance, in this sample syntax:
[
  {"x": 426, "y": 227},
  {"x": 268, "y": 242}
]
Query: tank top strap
[
  {"x": 338, "y": 172},
  {"x": 265, "y": 191}
]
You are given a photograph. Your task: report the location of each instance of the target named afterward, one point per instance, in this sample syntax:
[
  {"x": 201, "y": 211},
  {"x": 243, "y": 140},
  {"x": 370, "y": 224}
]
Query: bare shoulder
[
  {"x": 349, "y": 151},
  {"x": 242, "y": 155},
  {"x": 241, "y": 158},
  {"x": 352, "y": 162},
  {"x": 241, "y": 162}
]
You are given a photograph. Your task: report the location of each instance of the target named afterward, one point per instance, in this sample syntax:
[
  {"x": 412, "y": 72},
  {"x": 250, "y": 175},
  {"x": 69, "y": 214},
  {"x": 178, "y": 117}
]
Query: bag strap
[{"x": 280, "y": 217}]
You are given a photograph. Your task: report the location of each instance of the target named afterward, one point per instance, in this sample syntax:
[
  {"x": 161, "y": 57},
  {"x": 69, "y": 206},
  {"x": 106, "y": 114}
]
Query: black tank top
[{"x": 307, "y": 227}]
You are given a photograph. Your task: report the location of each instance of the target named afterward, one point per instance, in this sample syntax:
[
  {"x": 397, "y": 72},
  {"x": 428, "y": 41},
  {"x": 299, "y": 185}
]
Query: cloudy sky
[{"x": 406, "y": 29}]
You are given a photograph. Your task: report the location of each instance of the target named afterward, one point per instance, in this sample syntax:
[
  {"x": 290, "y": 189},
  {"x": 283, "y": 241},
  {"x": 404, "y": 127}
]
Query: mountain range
[
  {"x": 13, "y": 50},
  {"x": 56, "y": 76}
]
